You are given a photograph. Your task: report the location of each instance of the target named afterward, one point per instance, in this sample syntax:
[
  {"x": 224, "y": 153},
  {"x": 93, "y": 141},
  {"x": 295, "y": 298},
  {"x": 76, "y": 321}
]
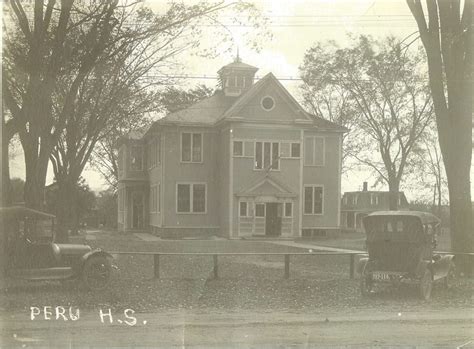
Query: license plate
[{"x": 381, "y": 277}]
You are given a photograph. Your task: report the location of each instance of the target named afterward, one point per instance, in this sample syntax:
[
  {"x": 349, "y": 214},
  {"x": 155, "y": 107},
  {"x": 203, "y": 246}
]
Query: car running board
[{"x": 59, "y": 273}]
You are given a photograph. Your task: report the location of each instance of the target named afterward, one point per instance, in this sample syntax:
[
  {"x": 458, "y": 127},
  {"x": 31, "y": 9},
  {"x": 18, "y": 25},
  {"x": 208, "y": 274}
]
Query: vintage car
[
  {"x": 31, "y": 253},
  {"x": 400, "y": 246}
]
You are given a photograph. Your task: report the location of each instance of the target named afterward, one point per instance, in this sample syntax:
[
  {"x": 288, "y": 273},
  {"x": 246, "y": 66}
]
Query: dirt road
[{"x": 448, "y": 328}]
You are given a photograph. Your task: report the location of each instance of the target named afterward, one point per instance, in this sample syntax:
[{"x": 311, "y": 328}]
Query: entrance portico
[{"x": 266, "y": 209}]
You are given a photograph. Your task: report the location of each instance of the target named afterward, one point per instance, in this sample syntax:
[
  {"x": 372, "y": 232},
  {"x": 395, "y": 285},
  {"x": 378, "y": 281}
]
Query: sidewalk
[{"x": 314, "y": 247}]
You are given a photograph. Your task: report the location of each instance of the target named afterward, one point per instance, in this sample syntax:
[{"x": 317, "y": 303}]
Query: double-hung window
[
  {"x": 295, "y": 151},
  {"x": 191, "y": 198},
  {"x": 136, "y": 158},
  {"x": 314, "y": 148},
  {"x": 191, "y": 147},
  {"x": 267, "y": 155},
  {"x": 313, "y": 200},
  {"x": 243, "y": 209}
]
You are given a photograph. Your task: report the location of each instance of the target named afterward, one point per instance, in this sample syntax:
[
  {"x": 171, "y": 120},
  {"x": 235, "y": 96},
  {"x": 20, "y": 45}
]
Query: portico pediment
[{"x": 266, "y": 187}]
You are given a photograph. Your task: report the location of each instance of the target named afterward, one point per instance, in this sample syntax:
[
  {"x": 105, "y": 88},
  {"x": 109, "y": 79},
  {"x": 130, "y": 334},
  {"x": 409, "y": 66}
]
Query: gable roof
[
  {"x": 219, "y": 107},
  {"x": 267, "y": 186}
]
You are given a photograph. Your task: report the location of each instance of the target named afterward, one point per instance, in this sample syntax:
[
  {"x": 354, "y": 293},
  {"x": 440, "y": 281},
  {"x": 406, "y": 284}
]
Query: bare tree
[
  {"x": 381, "y": 92},
  {"x": 58, "y": 45},
  {"x": 37, "y": 52},
  {"x": 447, "y": 39}
]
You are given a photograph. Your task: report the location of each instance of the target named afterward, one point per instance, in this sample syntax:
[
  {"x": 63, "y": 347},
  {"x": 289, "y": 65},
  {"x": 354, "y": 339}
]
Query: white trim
[
  {"x": 162, "y": 157},
  {"x": 192, "y": 145},
  {"x": 231, "y": 183},
  {"x": 158, "y": 198},
  {"x": 153, "y": 196},
  {"x": 187, "y": 227},
  {"x": 322, "y": 199},
  {"x": 273, "y": 100},
  {"x": 339, "y": 176},
  {"x": 191, "y": 197},
  {"x": 300, "y": 209}
]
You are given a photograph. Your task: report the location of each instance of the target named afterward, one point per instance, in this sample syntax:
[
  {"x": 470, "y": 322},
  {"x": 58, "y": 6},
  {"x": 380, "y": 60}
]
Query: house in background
[
  {"x": 247, "y": 161},
  {"x": 358, "y": 204}
]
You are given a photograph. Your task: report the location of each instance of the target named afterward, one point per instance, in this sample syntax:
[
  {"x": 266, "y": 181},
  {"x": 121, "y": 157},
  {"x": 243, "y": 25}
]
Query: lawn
[
  {"x": 245, "y": 282},
  {"x": 356, "y": 241}
]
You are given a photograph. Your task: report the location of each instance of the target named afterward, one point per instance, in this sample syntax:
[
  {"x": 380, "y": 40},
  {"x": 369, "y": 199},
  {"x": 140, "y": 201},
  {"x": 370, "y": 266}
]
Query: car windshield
[
  {"x": 37, "y": 230},
  {"x": 400, "y": 228}
]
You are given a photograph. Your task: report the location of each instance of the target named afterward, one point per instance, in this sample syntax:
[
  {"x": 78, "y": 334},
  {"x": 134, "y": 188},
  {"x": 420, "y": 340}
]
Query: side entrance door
[
  {"x": 272, "y": 220},
  {"x": 137, "y": 210}
]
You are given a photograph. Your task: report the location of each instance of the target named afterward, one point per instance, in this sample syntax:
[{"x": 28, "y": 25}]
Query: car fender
[
  {"x": 361, "y": 264},
  {"x": 96, "y": 252},
  {"x": 442, "y": 265}
]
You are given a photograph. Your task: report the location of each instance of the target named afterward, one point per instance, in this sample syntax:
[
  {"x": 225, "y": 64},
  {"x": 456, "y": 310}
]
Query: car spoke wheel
[
  {"x": 96, "y": 273},
  {"x": 426, "y": 285},
  {"x": 449, "y": 279}
]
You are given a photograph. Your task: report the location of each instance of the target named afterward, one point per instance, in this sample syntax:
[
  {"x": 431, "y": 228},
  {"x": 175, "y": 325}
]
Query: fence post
[
  {"x": 156, "y": 265},
  {"x": 215, "y": 267},
  {"x": 287, "y": 266},
  {"x": 351, "y": 265}
]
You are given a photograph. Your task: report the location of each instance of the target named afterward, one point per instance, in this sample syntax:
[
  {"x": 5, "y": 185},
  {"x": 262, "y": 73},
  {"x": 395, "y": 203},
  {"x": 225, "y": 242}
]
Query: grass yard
[
  {"x": 245, "y": 282},
  {"x": 356, "y": 241}
]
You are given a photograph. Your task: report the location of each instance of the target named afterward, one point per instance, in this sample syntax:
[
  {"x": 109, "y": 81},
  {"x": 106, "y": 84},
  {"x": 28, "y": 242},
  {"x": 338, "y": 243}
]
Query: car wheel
[
  {"x": 449, "y": 279},
  {"x": 426, "y": 285},
  {"x": 366, "y": 285},
  {"x": 96, "y": 273}
]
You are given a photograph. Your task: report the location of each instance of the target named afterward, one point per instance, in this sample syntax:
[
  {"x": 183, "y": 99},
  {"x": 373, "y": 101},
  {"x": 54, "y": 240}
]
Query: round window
[{"x": 268, "y": 103}]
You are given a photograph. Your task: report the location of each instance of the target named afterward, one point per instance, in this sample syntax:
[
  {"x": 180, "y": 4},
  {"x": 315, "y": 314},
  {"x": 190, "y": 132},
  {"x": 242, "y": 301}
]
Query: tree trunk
[
  {"x": 4, "y": 189},
  {"x": 393, "y": 195},
  {"x": 66, "y": 209},
  {"x": 460, "y": 208},
  {"x": 455, "y": 136}
]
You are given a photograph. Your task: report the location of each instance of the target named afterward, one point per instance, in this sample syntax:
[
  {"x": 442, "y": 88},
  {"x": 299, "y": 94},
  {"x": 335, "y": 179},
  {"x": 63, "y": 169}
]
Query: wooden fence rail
[{"x": 286, "y": 275}]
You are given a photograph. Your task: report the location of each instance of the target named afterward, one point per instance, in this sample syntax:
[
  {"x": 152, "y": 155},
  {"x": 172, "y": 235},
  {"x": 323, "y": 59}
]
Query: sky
[{"x": 295, "y": 26}]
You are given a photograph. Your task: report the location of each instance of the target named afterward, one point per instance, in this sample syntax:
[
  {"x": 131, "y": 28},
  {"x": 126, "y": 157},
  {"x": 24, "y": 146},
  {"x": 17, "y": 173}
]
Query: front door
[
  {"x": 272, "y": 219},
  {"x": 137, "y": 210}
]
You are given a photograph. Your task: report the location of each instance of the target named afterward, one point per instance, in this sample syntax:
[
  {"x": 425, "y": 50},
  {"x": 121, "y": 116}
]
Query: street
[{"x": 448, "y": 328}]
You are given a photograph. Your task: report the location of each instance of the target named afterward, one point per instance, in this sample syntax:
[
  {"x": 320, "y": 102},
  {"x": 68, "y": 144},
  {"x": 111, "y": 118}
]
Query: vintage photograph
[{"x": 237, "y": 174}]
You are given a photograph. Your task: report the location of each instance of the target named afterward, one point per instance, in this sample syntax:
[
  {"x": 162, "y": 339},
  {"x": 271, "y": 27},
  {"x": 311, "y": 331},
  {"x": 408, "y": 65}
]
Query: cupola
[{"x": 236, "y": 77}]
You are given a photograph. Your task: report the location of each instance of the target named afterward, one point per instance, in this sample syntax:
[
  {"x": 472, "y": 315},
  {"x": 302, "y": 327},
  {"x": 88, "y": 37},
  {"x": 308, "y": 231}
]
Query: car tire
[
  {"x": 448, "y": 281},
  {"x": 96, "y": 273},
  {"x": 426, "y": 285}
]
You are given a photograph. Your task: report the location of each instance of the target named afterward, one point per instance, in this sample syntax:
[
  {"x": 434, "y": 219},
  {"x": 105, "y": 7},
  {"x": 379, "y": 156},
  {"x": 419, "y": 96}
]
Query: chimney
[{"x": 364, "y": 187}]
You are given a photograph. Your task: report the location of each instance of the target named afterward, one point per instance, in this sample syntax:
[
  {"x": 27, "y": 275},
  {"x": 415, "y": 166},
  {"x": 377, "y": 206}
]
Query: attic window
[{"x": 268, "y": 103}]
